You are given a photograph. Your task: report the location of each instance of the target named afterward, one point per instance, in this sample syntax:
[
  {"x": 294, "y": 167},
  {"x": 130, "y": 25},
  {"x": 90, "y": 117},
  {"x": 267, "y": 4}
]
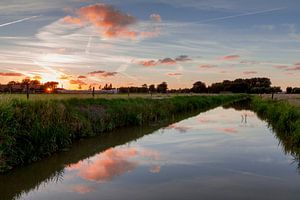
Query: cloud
[
  {"x": 249, "y": 72},
  {"x": 231, "y": 57},
  {"x": 102, "y": 73},
  {"x": 155, "y": 17},
  {"x": 82, "y": 189},
  {"x": 295, "y": 68},
  {"x": 280, "y": 67},
  {"x": 37, "y": 77},
  {"x": 165, "y": 61},
  {"x": 148, "y": 63},
  {"x": 112, "y": 22},
  {"x": 81, "y": 77},
  {"x": 298, "y": 63},
  {"x": 111, "y": 163},
  {"x": 179, "y": 128},
  {"x": 63, "y": 77},
  {"x": 174, "y": 74},
  {"x": 207, "y": 66},
  {"x": 183, "y": 58},
  {"x": 77, "y": 82},
  {"x": 10, "y": 74}
]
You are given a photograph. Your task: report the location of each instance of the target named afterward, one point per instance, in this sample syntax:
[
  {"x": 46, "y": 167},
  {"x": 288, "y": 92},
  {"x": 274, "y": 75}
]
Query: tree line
[{"x": 252, "y": 85}]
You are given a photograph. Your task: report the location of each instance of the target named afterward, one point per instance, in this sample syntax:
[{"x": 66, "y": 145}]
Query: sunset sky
[{"x": 132, "y": 42}]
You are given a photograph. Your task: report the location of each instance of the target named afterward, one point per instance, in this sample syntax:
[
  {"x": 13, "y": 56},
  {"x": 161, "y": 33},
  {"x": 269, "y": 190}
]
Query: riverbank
[
  {"x": 32, "y": 130},
  {"x": 283, "y": 117}
]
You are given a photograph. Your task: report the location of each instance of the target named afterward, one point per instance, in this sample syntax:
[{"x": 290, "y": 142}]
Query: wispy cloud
[
  {"x": 231, "y": 57},
  {"x": 10, "y": 74},
  {"x": 102, "y": 73},
  {"x": 249, "y": 72},
  {"x": 165, "y": 61}
]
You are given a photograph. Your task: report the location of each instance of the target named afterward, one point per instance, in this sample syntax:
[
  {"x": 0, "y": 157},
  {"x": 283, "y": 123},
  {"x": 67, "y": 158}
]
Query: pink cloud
[
  {"x": 174, "y": 74},
  {"x": 249, "y": 72},
  {"x": 103, "y": 73},
  {"x": 295, "y": 68},
  {"x": 280, "y": 67},
  {"x": 148, "y": 63},
  {"x": 207, "y": 66},
  {"x": 113, "y": 23},
  {"x": 231, "y": 57},
  {"x": 110, "y": 163},
  {"x": 155, "y": 17},
  {"x": 10, "y": 74},
  {"x": 165, "y": 61},
  {"x": 81, "y": 77},
  {"x": 229, "y": 130},
  {"x": 298, "y": 63}
]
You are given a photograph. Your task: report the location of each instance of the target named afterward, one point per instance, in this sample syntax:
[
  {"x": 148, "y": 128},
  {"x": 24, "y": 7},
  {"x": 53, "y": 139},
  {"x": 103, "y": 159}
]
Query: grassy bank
[
  {"x": 283, "y": 117},
  {"x": 31, "y": 130}
]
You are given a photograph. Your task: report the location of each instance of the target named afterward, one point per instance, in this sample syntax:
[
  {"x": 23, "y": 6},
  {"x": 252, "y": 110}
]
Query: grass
[
  {"x": 31, "y": 130},
  {"x": 282, "y": 116},
  {"x": 34, "y": 97}
]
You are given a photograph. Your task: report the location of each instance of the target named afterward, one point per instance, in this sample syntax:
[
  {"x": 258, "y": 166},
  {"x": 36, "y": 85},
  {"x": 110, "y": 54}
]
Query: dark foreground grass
[
  {"x": 31, "y": 130},
  {"x": 283, "y": 117}
]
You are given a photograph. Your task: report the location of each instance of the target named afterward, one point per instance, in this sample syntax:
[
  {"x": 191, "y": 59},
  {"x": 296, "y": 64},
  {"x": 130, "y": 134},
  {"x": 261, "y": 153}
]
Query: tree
[
  {"x": 199, "y": 87},
  {"x": 144, "y": 88},
  {"x": 162, "y": 88},
  {"x": 50, "y": 86},
  {"x": 289, "y": 90},
  {"x": 152, "y": 88}
]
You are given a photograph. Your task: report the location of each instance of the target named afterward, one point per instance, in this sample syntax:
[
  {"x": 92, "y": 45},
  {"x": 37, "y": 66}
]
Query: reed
[
  {"x": 281, "y": 116},
  {"x": 32, "y": 130}
]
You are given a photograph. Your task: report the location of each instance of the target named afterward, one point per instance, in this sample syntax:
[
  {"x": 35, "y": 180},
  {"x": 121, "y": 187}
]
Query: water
[{"x": 219, "y": 154}]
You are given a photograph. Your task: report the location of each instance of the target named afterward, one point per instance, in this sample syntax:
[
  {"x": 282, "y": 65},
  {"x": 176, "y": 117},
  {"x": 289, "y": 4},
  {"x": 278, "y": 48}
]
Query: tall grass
[
  {"x": 31, "y": 130},
  {"x": 282, "y": 116}
]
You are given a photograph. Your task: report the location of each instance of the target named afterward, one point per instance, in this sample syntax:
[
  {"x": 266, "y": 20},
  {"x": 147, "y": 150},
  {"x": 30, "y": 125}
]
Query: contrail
[
  {"x": 242, "y": 15},
  {"x": 17, "y": 21},
  {"x": 88, "y": 46}
]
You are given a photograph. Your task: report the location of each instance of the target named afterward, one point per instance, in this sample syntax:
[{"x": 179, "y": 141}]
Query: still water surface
[{"x": 219, "y": 154}]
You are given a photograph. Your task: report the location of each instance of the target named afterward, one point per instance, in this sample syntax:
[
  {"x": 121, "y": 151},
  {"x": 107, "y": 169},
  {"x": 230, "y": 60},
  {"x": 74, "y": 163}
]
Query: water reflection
[
  {"x": 112, "y": 163},
  {"x": 225, "y": 153},
  {"x": 285, "y": 142},
  {"x": 25, "y": 179}
]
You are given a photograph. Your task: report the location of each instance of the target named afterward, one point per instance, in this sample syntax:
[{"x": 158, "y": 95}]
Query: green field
[{"x": 85, "y": 96}]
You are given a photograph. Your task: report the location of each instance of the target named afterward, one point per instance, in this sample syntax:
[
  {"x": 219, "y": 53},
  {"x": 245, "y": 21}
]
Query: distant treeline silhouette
[
  {"x": 252, "y": 85},
  {"x": 34, "y": 86}
]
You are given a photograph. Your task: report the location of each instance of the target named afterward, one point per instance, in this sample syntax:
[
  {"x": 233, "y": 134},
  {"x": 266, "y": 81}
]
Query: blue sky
[{"x": 132, "y": 42}]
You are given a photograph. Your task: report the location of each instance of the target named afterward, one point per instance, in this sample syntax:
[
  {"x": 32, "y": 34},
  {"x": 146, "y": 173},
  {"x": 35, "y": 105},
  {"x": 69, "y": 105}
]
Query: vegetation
[
  {"x": 282, "y": 116},
  {"x": 290, "y": 90},
  {"x": 31, "y": 130}
]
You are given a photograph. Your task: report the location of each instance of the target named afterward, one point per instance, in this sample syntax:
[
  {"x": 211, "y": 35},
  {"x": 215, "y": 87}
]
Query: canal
[{"x": 223, "y": 153}]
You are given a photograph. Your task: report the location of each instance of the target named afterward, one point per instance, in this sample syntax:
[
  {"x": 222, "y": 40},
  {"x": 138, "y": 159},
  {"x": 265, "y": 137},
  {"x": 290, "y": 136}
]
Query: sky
[{"x": 79, "y": 43}]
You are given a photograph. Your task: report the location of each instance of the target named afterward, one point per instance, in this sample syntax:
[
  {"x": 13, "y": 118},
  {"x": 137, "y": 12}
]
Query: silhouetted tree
[
  {"x": 152, "y": 88},
  {"x": 162, "y": 88},
  {"x": 289, "y": 90},
  {"x": 199, "y": 87}
]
